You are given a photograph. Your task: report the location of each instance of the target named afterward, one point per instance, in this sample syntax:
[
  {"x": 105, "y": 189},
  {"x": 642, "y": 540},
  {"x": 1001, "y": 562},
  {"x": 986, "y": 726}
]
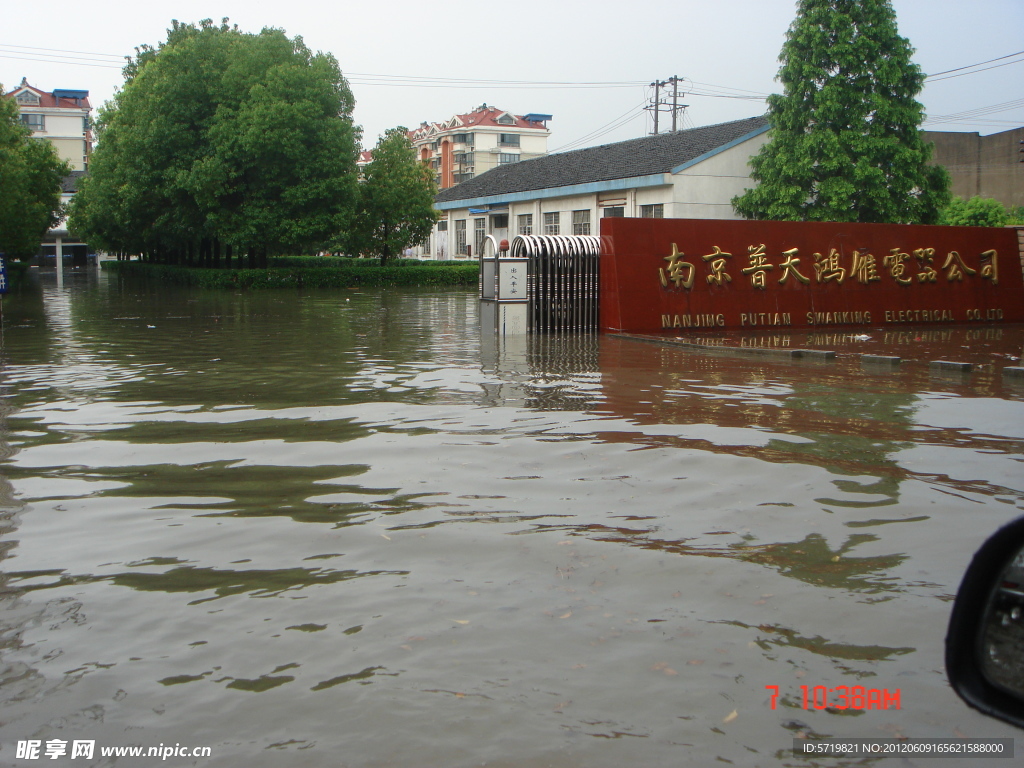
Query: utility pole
[
  {"x": 675, "y": 99},
  {"x": 656, "y": 106}
]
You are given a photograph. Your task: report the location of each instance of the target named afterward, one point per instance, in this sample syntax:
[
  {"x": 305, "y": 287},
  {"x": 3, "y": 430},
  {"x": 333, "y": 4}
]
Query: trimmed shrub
[{"x": 416, "y": 273}]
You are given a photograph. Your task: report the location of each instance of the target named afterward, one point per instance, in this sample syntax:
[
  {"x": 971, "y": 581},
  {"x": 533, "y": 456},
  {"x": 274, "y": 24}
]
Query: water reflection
[{"x": 463, "y": 545}]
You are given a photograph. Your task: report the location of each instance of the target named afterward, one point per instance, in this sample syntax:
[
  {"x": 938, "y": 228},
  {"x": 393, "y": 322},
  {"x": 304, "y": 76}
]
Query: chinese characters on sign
[
  {"x": 735, "y": 274},
  {"x": 862, "y": 267},
  {"x": 34, "y": 749}
]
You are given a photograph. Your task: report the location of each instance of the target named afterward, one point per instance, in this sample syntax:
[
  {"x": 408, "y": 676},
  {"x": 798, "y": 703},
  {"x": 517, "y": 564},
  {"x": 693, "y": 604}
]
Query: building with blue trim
[{"x": 684, "y": 174}]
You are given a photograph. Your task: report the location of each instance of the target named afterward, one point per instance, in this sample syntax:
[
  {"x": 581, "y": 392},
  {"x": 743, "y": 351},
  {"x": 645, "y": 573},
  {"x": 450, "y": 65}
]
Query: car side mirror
[{"x": 985, "y": 641}]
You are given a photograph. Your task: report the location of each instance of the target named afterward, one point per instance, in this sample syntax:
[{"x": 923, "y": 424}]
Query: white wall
[{"x": 704, "y": 190}]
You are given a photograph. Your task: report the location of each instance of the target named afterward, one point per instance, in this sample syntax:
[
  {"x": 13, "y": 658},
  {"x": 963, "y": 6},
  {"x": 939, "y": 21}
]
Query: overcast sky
[{"x": 587, "y": 63}]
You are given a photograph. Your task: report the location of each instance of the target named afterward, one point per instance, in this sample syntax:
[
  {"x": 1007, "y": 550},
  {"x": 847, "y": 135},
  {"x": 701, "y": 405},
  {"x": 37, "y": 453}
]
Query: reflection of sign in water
[
  {"x": 3, "y": 275},
  {"x": 659, "y": 274}
]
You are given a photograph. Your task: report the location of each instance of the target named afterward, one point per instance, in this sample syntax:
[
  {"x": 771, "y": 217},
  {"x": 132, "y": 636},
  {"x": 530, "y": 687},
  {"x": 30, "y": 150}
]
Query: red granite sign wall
[{"x": 677, "y": 274}]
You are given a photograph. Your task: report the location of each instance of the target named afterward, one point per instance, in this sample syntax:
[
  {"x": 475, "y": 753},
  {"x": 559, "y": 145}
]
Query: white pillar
[{"x": 60, "y": 262}]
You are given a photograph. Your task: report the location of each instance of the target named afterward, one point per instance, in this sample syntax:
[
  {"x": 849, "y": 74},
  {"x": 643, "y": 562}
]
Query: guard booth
[{"x": 541, "y": 284}]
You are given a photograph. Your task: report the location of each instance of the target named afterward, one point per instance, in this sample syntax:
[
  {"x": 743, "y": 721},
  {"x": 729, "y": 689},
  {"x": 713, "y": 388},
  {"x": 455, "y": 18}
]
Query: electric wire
[{"x": 971, "y": 66}]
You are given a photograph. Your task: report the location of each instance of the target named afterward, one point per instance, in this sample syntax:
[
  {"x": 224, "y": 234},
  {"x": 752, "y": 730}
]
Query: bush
[
  {"x": 371, "y": 275},
  {"x": 976, "y": 212}
]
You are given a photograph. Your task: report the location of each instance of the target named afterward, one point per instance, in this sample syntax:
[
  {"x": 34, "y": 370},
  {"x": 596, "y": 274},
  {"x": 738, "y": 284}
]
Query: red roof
[
  {"x": 481, "y": 116},
  {"x": 49, "y": 100}
]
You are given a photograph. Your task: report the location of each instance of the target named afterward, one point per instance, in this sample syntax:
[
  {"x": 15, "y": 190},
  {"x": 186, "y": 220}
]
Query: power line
[
  {"x": 971, "y": 66},
  {"x": 59, "y": 50},
  {"x": 618, "y": 122},
  {"x": 964, "y": 74}
]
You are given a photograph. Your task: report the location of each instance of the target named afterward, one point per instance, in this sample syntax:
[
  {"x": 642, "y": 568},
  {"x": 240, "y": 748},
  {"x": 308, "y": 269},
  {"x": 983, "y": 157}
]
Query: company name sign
[{"x": 663, "y": 275}]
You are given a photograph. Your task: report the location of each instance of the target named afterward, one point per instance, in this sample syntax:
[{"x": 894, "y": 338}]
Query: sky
[{"x": 588, "y": 63}]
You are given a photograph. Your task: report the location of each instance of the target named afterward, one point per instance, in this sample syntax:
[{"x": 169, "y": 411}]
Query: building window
[
  {"x": 27, "y": 97},
  {"x": 442, "y": 225},
  {"x": 652, "y": 211},
  {"x": 35, "y": 122},
  {"x": 581, "y": 222},
  {"x": 463, "y": 138},
  {"x": 551, "y": 223},
  {"x": 426, "y": 246},
  {"x": 465, "y": 158},
  {"x": 461, "y": 177},
  {"x": 615, "y": 211},
  {"x": 479, "y": 233},
  {"x": 461, "y": 246},
  {"x": 505, "y": 159},
  {"x": 506, "y": 120},
  {"x": 509, "y": 139},
  {"x": 499, "y": 221},
  {"x": 525, "y": 223}
]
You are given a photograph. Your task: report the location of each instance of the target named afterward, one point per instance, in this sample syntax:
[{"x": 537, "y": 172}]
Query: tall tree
[
  {"x": 396, "y": 198},
  {"x": 223, "y": 137},
  {"x": 30, "y": 177},
  {"x": 845, "y": 141}
]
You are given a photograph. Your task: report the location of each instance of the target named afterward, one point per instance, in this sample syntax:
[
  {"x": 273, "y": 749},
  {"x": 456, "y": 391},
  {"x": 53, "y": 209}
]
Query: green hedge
[
  {"x": 416, "y": 273},
  {"x": 318, "y": 262},
  {"x": 17, "y": 273}
]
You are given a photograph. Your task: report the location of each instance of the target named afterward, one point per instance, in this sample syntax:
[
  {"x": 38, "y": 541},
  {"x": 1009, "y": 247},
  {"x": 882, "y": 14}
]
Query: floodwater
[{"x": 350, "y": 529}]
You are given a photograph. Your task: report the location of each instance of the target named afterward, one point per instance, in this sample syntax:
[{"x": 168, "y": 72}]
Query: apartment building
[
  {"x": 61, "y": 117},
  {"x": 465, "y": 146}
]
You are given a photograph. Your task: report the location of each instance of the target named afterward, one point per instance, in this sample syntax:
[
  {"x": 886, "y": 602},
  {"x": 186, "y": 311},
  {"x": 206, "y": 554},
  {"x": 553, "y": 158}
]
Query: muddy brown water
[{"x": 349, "y": 529}]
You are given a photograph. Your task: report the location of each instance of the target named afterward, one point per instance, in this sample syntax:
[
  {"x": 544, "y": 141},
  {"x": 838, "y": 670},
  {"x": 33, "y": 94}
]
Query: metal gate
[{"x": 562, "y": 282}]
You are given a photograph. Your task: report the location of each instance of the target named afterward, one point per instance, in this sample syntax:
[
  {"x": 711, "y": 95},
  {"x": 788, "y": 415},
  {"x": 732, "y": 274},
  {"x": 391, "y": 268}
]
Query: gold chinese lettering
[
  {"x": 895, "y": 262},
  {"x": 718, "y": 274},
  {"x": 990, "y": 271},
  {"x": 758, "y": 266},
  {"x": 790, "y": 266},
  {"x": 828, "y": 267},
  {"x": 927, "y": 273},
  {"x": 678, "y": 271},
  {"x": 955, "y": 267},
  {"x": 864, "y": 268}
]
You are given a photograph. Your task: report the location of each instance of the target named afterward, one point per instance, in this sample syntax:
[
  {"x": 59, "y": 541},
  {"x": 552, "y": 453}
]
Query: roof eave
[
  {"x": 610, "y": 185},
  {"x": 718, "y": 150}
]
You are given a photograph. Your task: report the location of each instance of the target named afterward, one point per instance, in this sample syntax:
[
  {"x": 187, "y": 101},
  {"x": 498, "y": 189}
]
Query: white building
[
  {"x": 684, "y": 174},
  {"x": 60, "y": 117},
  {"x": 465, "y": 146}
]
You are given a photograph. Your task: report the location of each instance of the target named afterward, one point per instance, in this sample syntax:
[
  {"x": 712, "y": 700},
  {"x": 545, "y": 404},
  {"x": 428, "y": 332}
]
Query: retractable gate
[{"x": 562, "y": 281}]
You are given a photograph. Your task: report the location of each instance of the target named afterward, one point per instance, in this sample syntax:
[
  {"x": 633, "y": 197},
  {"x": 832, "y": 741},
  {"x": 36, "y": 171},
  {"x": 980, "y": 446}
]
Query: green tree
[
  {"x": 396, "y": 199},
  {"x": 220, "y": 137},
  {"x": 844, "y": 143},
  {"x": 30, "y": 177},
  {"x": 976, "y": 212}
]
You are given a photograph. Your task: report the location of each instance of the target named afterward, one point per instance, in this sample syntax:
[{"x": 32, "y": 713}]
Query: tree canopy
[
  {"x": 222, "y": 137},
  {"x": 30, "y": 179},
  {"x": 844, "y": 143},
  {"x": 396, "y": 198}
]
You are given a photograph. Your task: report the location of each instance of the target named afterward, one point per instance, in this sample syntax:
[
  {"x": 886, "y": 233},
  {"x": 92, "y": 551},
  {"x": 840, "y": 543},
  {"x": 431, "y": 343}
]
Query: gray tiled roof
[
  {"x": 70, "y": 182},
  {"x": 626, "y": 159}
]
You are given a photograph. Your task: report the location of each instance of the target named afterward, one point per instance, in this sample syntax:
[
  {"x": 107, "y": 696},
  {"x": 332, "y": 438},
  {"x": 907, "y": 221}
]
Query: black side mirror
[{"x": 985, "y": 641}]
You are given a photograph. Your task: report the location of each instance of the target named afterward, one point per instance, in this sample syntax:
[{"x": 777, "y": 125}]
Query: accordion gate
[{"x": 563, "y": 281}]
